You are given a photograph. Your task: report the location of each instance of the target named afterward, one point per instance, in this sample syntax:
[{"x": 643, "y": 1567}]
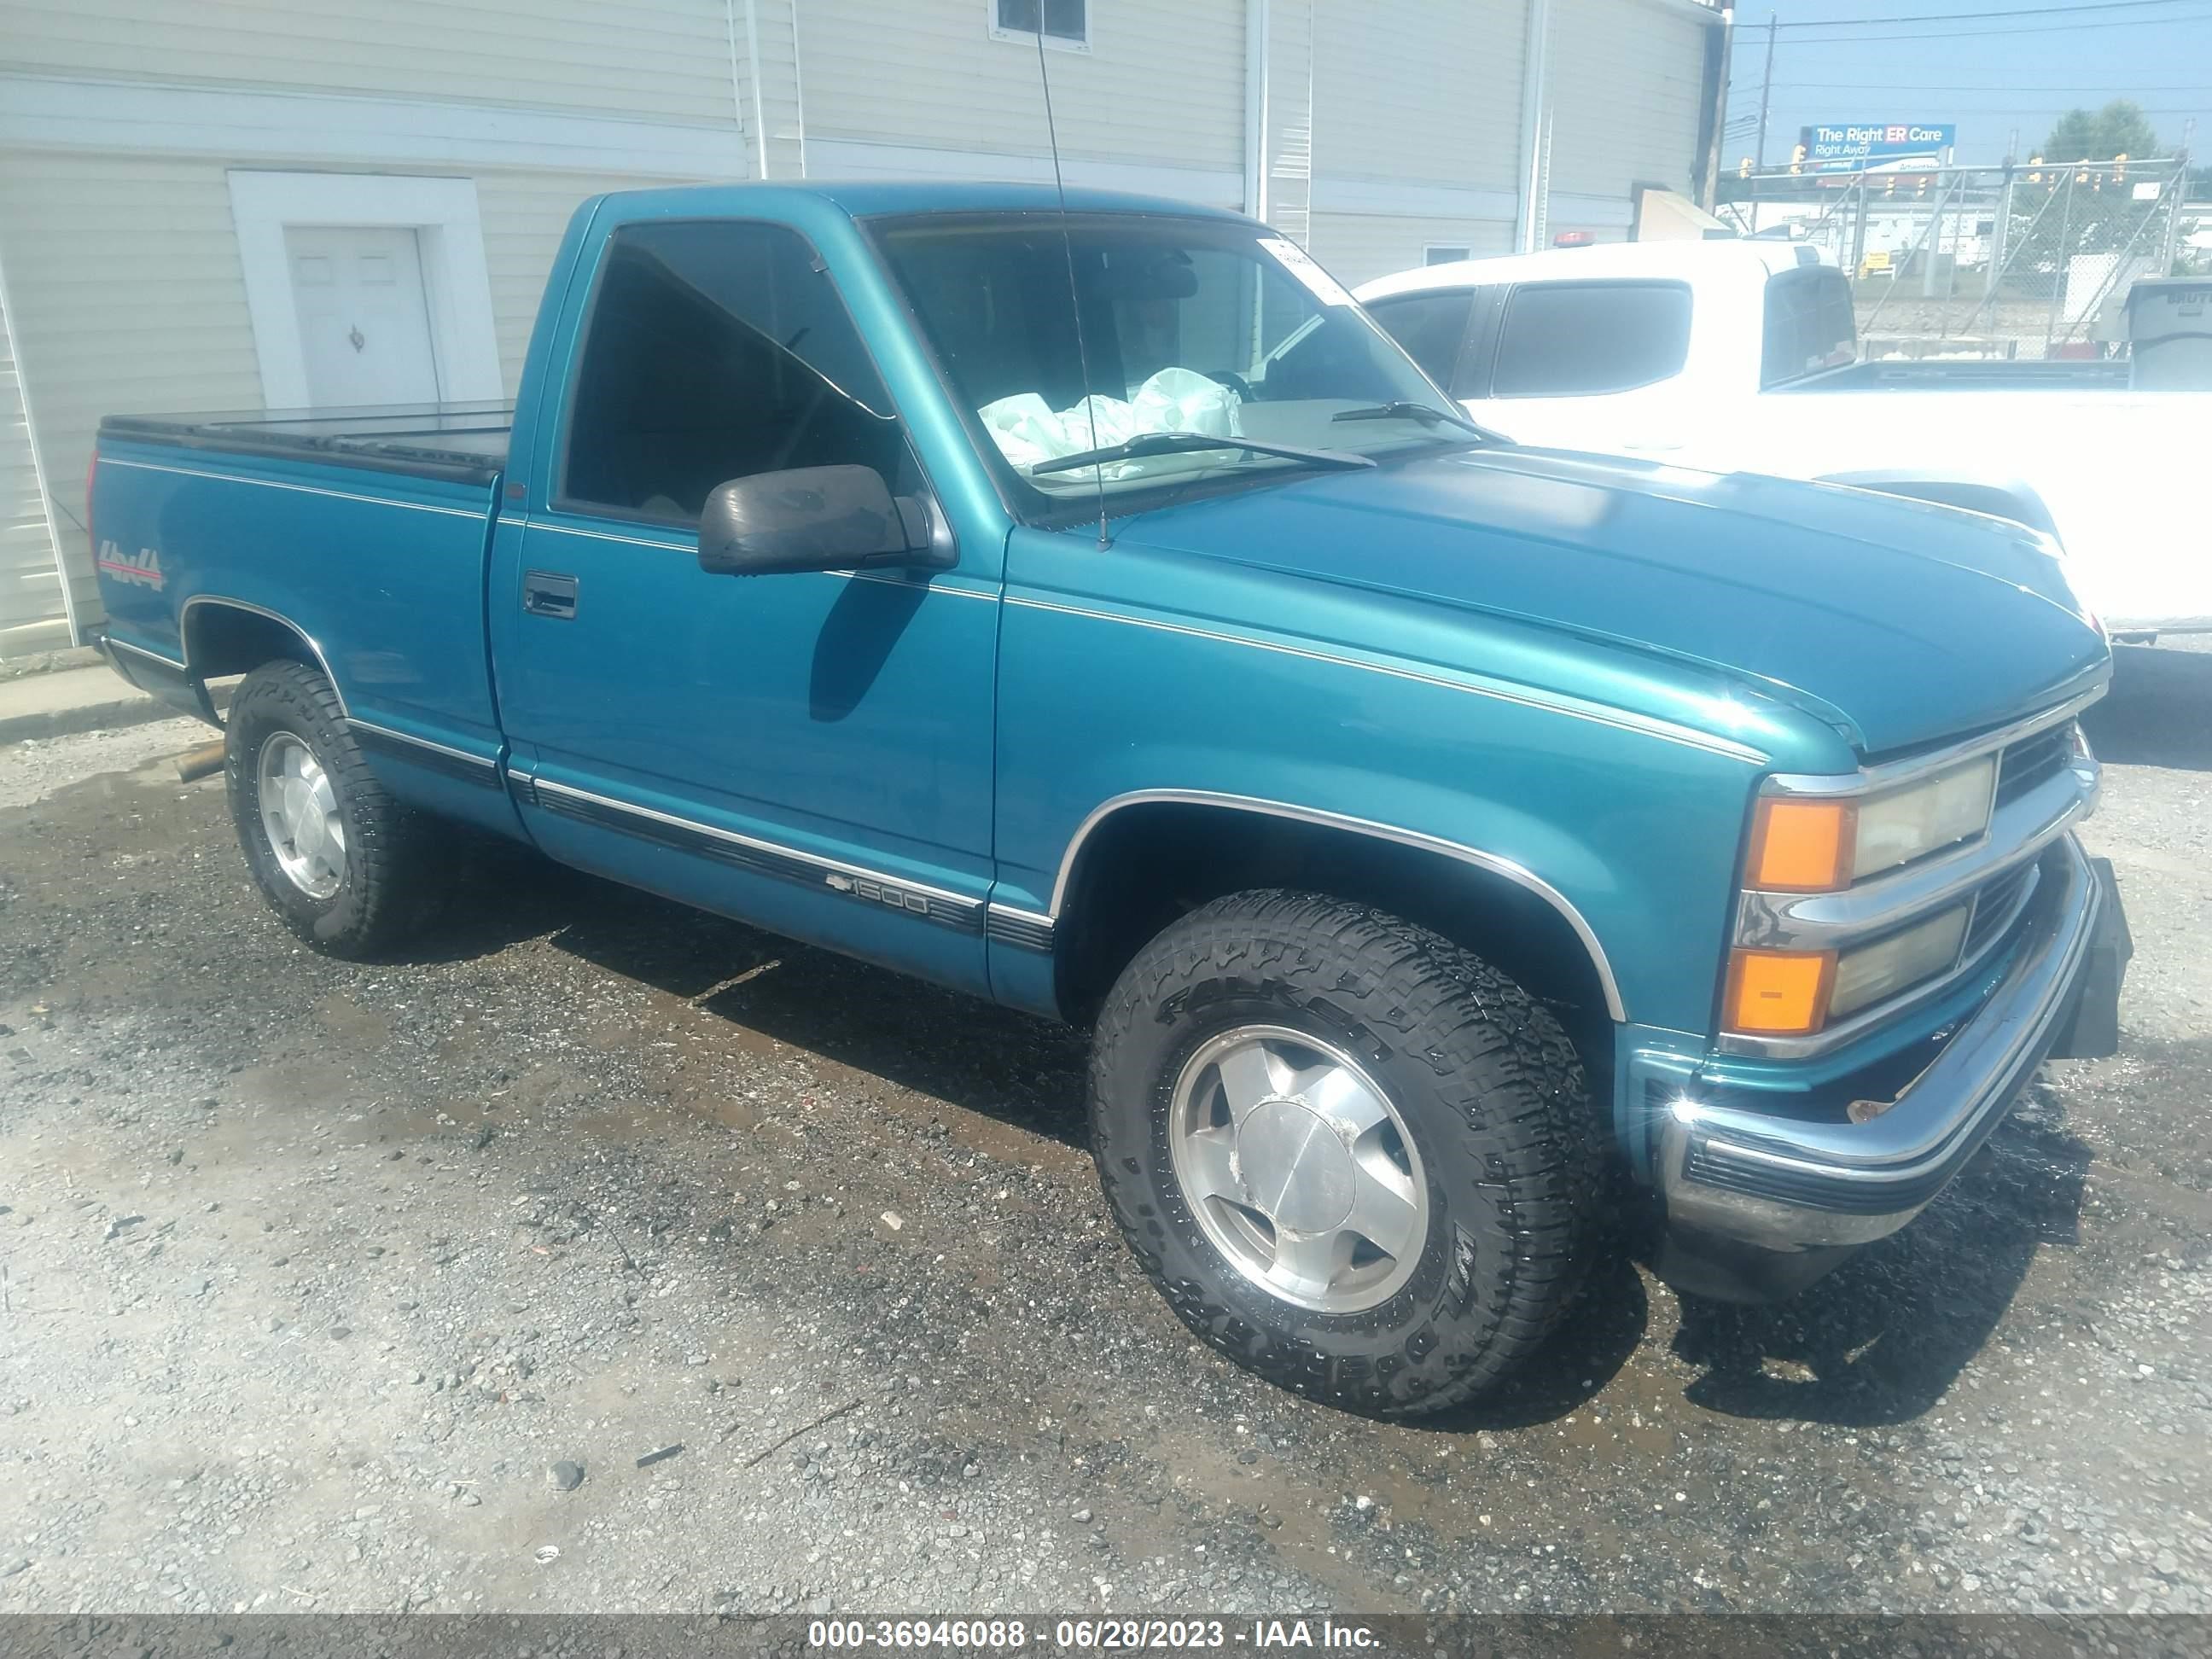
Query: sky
[{"x": 1992, "y": 66}]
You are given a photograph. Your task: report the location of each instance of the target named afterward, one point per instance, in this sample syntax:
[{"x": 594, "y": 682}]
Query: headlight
[
  {"x": 1796, "y": 993},
  {"x": 1912, "y": 822},
  {"x": 1871, "y": 973},
  {"x": 1819, "y": 845},
  {"x": 1824, "y": 844}
]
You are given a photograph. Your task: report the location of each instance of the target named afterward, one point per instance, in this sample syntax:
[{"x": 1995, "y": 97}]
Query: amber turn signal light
[
  {"x": 1801, "y": 846},
  {"x": 1779, "y": 993}
]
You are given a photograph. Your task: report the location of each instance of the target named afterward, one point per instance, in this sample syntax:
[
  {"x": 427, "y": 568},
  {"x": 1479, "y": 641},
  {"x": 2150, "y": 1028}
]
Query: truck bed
[
  {"x": 336, "y": 524},
  {"x": 465, "y": 443}
]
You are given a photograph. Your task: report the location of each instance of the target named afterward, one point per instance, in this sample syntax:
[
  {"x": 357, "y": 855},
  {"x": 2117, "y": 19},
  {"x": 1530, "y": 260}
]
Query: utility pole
[{"x": 1765, "y": 95}]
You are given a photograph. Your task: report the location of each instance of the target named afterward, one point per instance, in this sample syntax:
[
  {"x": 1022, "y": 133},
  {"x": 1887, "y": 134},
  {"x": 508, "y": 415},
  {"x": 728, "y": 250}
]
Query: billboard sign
[{"x": 1852, "y": 146}]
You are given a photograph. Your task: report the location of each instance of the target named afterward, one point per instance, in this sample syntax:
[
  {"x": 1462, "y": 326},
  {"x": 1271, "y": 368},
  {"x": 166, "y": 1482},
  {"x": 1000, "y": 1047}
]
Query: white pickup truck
[{"x": 1742, "y": 357}]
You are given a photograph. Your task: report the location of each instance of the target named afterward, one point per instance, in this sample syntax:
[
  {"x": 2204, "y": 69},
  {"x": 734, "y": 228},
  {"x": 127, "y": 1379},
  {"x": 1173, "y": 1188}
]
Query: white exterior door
[{"x": 364, "y": 319}]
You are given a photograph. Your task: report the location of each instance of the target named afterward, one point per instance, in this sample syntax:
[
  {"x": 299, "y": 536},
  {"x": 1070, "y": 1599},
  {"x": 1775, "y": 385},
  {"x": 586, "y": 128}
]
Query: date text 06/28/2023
[{"x": 1097, "y": 1635}]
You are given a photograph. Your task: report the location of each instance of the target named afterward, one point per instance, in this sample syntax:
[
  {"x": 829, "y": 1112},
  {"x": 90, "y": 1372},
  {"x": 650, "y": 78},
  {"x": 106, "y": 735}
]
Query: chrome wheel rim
[
  {"x": 1298, "y": 1168},
  {"x": 300, "y": 815}
]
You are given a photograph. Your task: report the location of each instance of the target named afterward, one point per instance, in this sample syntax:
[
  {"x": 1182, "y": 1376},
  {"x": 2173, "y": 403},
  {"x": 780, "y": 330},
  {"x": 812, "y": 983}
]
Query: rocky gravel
[{"x": 604, "y": 1256}]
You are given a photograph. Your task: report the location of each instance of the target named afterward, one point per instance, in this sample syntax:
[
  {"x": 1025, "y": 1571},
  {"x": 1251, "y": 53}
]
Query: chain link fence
[{"x": 2024, "y": 260}]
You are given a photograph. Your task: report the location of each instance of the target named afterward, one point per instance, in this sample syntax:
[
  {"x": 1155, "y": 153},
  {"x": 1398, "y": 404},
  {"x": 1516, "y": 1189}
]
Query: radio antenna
[{"x": 1074, "y": 298}]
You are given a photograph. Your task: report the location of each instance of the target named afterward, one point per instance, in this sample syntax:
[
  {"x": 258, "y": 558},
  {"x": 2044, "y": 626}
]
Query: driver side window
[{"x": 716, "y": 350}]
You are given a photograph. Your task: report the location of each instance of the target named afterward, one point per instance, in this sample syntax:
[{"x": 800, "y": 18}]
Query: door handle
[{"x": 547, "y": 593}]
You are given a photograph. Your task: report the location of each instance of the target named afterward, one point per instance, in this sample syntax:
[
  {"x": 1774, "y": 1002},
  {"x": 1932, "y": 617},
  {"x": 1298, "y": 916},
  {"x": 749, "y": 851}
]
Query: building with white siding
[{"x": 210, "y": 205}]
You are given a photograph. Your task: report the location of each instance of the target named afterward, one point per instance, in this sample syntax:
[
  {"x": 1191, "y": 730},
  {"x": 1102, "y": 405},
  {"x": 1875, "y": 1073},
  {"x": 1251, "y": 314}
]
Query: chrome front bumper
[{"x": 1775, "y": 1184}]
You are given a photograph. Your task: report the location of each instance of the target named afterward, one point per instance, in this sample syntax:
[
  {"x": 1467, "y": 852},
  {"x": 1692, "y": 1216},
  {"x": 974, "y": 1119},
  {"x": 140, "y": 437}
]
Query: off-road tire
[
  {"x": 1485, "y": 1078},
  {"x": 395, "y": 880}
]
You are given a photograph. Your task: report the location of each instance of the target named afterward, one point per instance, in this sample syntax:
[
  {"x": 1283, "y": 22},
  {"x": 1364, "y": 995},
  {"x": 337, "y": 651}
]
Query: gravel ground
[{"x": 328, "y": 1288}]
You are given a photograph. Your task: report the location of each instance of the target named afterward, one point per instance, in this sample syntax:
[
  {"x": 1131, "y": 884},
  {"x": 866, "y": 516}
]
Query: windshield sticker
[{"x": 1294, "y": 259}]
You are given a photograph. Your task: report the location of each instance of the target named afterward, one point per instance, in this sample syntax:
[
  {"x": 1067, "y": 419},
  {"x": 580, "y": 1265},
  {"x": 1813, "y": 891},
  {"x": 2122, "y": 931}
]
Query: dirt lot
[{"x": 310, "y": 1274}]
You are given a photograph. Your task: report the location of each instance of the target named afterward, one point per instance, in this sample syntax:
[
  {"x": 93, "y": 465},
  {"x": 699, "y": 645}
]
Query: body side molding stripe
[
  {"x": 917, "y": 899},
  {"x": 438, "y": 757},
  {"x": 1025, "y": 930},
  {"x": 1517, "y": 874},
  {"x": 171, "y": 664},
  {"x": 1664, "y": 729}
]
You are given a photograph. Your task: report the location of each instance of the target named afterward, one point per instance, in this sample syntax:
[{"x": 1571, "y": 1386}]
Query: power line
[{"x": 1974, "y": 16}]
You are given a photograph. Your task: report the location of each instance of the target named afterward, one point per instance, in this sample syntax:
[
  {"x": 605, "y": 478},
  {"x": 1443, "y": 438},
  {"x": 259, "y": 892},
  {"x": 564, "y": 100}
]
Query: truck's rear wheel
[
  {"x": 1353, "y": 1157},
  {"x": 345, "y": 865}
]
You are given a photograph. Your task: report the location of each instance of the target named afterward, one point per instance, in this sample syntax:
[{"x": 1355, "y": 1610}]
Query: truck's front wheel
[
  {"x": 1353, "y": 1157},
  {"x": 345, "y": 865}
]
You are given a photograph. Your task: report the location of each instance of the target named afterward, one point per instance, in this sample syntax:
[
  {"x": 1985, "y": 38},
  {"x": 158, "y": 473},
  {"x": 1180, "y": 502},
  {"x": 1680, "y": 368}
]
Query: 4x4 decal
[{"x": 143, "y": 566}]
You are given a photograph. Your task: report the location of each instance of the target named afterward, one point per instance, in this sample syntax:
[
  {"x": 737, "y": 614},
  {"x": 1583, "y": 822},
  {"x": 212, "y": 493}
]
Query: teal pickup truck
[{"x": 1468, "y": 856}]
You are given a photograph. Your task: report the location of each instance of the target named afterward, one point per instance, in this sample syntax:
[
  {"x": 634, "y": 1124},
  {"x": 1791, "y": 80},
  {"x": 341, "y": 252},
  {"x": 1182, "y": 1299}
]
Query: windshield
[{"x": 1190, "y": 326}]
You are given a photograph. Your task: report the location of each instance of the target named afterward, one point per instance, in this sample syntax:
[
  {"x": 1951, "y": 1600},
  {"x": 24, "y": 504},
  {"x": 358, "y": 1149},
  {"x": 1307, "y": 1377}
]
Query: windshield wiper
[
  {"x": 1426, "y": 414},
  {"x": 1184, "y": 443}
]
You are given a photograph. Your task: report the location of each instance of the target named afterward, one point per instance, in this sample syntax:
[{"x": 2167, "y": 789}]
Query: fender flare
[
  {"x": 1477, "y": 858},
  {"x": 223, "y": 601}
]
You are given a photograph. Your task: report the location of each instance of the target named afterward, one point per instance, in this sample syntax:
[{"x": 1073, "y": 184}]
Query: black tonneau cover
[{"x": 464, "y": 443}]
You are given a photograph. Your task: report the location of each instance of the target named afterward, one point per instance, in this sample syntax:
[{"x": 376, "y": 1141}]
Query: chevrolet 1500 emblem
[{"x": 882, "y": 892}]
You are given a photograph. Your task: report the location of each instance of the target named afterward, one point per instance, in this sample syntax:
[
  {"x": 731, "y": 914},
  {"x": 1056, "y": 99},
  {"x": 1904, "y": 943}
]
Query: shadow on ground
[
  {"x": 1882, "y": 1339},
  {"x": 2159, "y": 712},
  {"x": 1022, "y": 1071},
  {"x": 1574, "y": 1366}
]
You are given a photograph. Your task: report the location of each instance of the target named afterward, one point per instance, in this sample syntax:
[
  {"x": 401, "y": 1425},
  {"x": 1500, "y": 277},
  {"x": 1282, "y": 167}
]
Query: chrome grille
[
  {"x": 2033, "y": 760},
  {"x": 1996, "y": 906}
]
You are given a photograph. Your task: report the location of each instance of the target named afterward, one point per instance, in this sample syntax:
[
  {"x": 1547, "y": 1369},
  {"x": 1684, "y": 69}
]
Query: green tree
[
  {"x": 2075, "y": 198},
  {"x": 2068, "y": 209},
  {"x": 2119, "y": 128}
]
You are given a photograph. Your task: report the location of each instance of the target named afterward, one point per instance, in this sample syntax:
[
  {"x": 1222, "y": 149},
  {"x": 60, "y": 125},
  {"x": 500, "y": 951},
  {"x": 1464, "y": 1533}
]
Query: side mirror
[{"x": 814, "y": 518}]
